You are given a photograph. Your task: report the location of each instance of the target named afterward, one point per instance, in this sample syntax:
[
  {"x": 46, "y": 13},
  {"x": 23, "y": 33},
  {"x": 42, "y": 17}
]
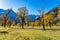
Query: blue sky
[{"x": 32, "y": 5}]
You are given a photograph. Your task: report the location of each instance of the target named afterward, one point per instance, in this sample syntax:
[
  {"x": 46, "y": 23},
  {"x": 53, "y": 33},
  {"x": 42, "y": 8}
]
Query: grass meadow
[{"x": 29, "y": 33}]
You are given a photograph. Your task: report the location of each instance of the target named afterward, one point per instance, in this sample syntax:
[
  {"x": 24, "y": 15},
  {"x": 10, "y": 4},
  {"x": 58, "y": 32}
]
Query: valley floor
[{"x": 30, "y": 33}]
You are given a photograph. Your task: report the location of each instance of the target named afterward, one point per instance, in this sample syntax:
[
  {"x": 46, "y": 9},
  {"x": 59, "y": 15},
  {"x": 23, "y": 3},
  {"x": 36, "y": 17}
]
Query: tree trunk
[
  {"x": 22, "y": 26},
  {"x": 50, "y": 24},
  {"x": 43, "y": 27},
  {"x": 5, "y": 23},
  {"x": 22, "y": 23}
]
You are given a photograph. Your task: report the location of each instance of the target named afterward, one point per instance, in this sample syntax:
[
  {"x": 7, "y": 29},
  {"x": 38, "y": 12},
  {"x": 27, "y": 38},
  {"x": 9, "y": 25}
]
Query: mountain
[
  {"x": 12, "y": 15},
  {"x": 2, "y": 12},
  {"x": 33, "y": 17},
  {"x": 54, "y": 11}
]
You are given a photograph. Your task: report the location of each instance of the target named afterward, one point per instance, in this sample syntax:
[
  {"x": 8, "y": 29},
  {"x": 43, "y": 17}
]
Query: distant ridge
[
  {"x": 2, "y": 11},
  {"x": 12, "y": 15}
]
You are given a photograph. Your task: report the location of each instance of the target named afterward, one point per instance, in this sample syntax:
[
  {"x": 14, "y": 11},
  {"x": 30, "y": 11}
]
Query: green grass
[{"x": 36, "y": 33}]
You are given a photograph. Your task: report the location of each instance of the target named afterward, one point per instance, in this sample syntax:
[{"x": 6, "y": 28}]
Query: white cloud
[{"x": 3, "y": 4}]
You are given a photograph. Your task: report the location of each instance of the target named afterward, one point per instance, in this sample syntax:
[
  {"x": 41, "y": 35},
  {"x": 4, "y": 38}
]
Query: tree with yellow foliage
[
  {"x": 58, "y": 14},
  {"x": 48, "y": 19},
  {"x": 8, "y": 22}
]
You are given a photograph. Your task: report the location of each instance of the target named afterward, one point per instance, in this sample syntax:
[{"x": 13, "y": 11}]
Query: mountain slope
[{"x": 13, "y": 16}]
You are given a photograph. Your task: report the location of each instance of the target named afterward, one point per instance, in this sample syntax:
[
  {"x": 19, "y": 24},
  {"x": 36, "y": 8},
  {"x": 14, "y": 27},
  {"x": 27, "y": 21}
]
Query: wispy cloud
[{"x": 3, "y": 4}]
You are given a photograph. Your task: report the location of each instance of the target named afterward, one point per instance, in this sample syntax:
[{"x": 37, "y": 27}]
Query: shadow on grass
[
  {"x": 4, "y": 32},
  {"x": 53, "y": 29}
]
